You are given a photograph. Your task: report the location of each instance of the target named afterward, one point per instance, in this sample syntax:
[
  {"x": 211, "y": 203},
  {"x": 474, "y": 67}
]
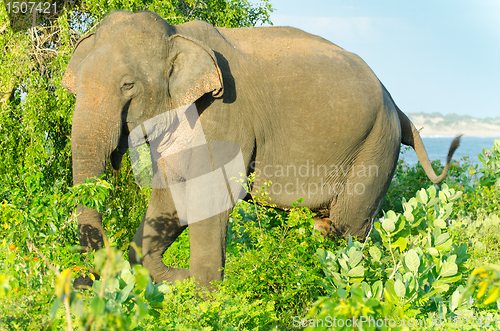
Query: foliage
[
  {"x": 271, "y": 254},
  {"x": 40, "y": 227},
  {"x": 36, "y": 112},
  {"x": 226, "y": 13},
  {"x": 428, "y": 250},
  {"x": 410, "y": 265},
  {"x": 483, "y": 196},
  {"x": 410, "y": 268},
  {"x": 119, "y": 300},
  {"x": 278, "y": 268},
  {"x": 481, "y": 236},
  {"x": 409, "y": 179},
  {"x": 490, "y": 169},
  {"x": 187, "y": 309}
]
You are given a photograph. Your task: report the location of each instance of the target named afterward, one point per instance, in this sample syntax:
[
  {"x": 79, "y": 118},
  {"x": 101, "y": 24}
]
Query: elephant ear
[
  {"x": 82, "y": 49},
  {"x": 194, "y": 71}
]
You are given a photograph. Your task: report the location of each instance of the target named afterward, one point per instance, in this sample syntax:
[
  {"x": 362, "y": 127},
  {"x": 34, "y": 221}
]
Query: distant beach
[
  {"x": 437, "y": 148},
  {"x": 436, "y": 125}
]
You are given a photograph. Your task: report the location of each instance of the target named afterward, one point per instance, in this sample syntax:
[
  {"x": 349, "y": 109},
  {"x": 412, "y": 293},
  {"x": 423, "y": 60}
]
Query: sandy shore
[
  {"x": 473, "y": 128},
  {"x": 429, "y": 132}
]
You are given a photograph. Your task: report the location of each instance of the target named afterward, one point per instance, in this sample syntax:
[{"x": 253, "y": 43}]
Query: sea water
[{"x": 437, "y": 148}]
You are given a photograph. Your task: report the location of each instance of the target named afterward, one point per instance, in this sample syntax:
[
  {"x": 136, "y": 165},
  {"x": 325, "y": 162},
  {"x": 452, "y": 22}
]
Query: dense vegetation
[{"x": 429, "y": 257}]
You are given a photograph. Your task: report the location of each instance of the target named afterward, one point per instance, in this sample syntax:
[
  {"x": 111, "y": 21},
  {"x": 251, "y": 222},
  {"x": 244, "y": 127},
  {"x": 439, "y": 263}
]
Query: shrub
[
  {"x": 271, "y": 255},
  {"x": 482, "y": 236},
  {"x": 408, "y": 270},
  {"x": 490, "y": 169}
]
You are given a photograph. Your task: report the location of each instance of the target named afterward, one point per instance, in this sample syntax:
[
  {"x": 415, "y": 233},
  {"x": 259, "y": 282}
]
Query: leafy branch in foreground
[{"x": 407, "y": 271}]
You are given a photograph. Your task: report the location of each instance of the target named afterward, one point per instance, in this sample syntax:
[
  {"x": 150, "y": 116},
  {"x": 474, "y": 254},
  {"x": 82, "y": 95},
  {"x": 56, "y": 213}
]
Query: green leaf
[
  {"x": 391, "y": 215},
  {"x": 462, "y": 250},
  {"x": 409, "y": 215},
  {"x": 389, "y": 293},
  {"x": 150, "y": 289},
  {"x": 125, "y": 292},
  {"x": 165, "y": 288},
  {"x": 432, "y": 251},
  {"x": 388, "y": 225},
  {"x": 441, "y": 239},
  {"x": 378, "y": 227},
  {"x": 452, "y": 259},
  {"x": 440, "y": 286},
  {"x": 377, "y": 289},
  {"x": 142, "y": 277},
  {"x": 343, "y": 264},
  {"x": 321, "y": 255},
  {"x": 10, "y": 257},
  {"x": 366, "y": 289},
  {"x": 452, "y": 279},
  {"x": 349, "y": 241},
  {"x": 422, "y": 196},
  {"x": 412, "y": 260},
  {"x": 446, "y": 246},
  {"x": 358, "y": 271},
  {"x": 375, "y": 253},
  {"x": 400, "y": 243},
  {"x": 98, "y": 306},
  {"x": 448, "y": 269},
  {"x": 432, "y": 191},
  {"x": 54, "y": 308},
  {"x": 440, "y": 223},
  {"x": 355, "y": 257},
  {"x": 399, "y": 288},
  {"x": 455, "y": 300}
]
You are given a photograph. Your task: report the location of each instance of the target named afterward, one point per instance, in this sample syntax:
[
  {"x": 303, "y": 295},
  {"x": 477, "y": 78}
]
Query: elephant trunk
[{"x": 94, "y": 136}]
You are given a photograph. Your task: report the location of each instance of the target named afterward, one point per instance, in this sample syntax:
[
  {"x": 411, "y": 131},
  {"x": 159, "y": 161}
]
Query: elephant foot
[
  {"x": 84, "y": 282},
  {"x": 161, "y": 273},
  {"x": 322, "y": 224},
  {"x": 176, "y": 274}
]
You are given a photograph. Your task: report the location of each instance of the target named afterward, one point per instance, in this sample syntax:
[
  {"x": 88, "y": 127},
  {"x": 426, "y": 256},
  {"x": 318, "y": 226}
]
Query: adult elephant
[{"x": 302, "y": 112}]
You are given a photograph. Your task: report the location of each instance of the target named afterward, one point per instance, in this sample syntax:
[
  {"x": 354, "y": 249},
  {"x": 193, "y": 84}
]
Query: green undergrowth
[{"x": 434, "y": 261}]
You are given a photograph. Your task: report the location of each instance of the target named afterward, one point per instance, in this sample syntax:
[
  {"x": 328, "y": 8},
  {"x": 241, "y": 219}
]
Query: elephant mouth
[
  {"x": 117, "y": 154},
  {"x": 116, "y": 159}
]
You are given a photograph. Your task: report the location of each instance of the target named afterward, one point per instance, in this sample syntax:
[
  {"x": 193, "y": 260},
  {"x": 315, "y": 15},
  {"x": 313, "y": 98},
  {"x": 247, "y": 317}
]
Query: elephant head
[{"x": 131, "y": 69}]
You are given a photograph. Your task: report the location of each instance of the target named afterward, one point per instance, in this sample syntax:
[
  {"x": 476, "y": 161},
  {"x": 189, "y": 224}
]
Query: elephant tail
[{"x": 411, "y": 137}]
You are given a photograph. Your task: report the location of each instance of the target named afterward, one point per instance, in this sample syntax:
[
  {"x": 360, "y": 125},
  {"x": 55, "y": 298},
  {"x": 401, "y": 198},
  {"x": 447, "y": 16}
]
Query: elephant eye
[{"x": 127, "y": 86}]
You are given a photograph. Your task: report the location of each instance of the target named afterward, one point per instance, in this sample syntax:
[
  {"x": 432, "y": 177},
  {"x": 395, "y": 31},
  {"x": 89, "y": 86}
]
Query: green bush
[
  {"x": 408, "y": 179},
  {"x": 272, "y": 254},
  {"x": 278, "y": 269},
  {"x": 409, "y": 267},
  {"x": 482, "y": 236},
  {"x": 490, "y": 169},
  {"x": 184, "y": 308}
]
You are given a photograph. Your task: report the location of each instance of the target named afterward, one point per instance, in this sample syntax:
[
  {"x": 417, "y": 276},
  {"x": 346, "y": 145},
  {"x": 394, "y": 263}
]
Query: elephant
[{"x": 292, "y": 107}]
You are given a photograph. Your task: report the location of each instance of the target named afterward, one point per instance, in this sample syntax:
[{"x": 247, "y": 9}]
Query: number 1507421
[{"x": 18, "y": 7}]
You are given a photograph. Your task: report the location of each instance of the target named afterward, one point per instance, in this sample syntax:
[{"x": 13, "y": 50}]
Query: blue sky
[{"x": 433, "y": 56}]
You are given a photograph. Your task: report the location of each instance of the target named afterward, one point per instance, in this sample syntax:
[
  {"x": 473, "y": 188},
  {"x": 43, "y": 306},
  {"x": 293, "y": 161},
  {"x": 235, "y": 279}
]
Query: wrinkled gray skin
[{"x": 286, "y": 97}]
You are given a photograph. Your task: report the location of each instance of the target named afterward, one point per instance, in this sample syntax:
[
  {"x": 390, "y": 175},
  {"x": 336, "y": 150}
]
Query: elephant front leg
[
  {"x": 157, "y": 231},
  {"x": 207, "y": 240}
]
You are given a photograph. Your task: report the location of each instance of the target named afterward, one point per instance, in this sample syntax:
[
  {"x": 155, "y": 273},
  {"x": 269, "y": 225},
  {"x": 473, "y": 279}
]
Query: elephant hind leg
[
  {"x": 368, "y": 178},
  {"x": 357, "y": 206},
  {"x": 354, "y": 212}
]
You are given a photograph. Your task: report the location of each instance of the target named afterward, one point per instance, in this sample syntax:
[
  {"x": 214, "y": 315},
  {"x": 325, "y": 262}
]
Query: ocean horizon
[{"x": 437, "y": 148}]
